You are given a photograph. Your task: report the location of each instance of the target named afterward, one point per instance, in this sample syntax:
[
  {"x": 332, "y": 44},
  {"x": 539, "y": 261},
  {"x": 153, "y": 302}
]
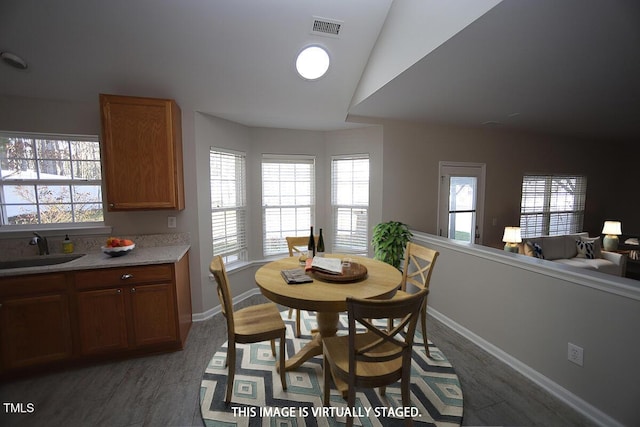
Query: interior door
[{"x": 461, "y": 201}]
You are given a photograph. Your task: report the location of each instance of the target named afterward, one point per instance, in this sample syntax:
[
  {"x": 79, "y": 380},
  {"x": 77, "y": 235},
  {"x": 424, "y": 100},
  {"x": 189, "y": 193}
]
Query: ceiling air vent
[{"x": 326, "y": 27}]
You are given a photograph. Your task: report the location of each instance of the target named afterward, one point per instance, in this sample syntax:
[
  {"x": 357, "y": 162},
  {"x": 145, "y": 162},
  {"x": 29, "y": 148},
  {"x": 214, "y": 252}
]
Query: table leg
[{"x": 327, "y": 327}]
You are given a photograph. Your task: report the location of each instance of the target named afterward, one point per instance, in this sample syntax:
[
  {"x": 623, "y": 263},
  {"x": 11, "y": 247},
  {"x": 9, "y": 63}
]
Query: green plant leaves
[{"x": 389, "y": 241}]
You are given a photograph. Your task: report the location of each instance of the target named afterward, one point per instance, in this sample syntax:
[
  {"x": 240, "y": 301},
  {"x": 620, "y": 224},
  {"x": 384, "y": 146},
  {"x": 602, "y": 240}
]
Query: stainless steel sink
[{"x": 39, "y": 261}]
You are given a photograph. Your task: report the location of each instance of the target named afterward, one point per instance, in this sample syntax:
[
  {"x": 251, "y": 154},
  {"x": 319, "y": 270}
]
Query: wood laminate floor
[{"x": 163, "y": 390}]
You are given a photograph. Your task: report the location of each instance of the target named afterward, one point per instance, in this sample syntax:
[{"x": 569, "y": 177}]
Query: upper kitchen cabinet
[{"x": 142, "y": 153}]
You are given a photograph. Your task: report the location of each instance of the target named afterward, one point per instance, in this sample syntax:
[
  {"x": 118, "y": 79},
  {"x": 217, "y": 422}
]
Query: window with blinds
[
  {"x": 552, "y": 205},
  {"x": 228, "y": 204},
  {"x": 350, "y": 204},
  {"x": 288, "y": 200}
]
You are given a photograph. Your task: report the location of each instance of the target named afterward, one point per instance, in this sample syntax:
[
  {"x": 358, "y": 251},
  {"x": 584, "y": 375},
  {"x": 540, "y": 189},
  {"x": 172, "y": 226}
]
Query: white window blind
[
  {"x": 350, "y": 203},
  {"x": 288, "y": 199},
  {"x": 49, "y": 179},
  {"x": 552, "y": 205},
  {"x": 228, "y": 204}
]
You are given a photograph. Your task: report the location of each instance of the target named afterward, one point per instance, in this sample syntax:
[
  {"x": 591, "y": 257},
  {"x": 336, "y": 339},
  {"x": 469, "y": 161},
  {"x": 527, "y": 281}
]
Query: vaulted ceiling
[{"x": 562, "y": 66}]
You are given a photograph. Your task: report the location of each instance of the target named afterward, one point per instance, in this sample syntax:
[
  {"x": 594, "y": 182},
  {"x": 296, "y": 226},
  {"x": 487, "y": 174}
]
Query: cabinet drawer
[
  {"x": 109, "y": 277},
  {"x": 32, "y": 284}
]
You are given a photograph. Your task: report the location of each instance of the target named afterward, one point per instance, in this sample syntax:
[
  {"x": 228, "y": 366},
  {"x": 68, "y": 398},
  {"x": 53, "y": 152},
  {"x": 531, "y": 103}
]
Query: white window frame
[
  {"x": 350, "y": 236},
  {"x": 228, "y": 204},
  {"x": 548, "y": 207},
  {"x": 286, "y": 199},
  {"x": 39, "y": 182}
]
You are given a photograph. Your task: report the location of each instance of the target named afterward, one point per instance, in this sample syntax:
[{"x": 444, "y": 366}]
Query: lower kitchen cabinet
[
  {"x": 102, "y": 321},
  {"x": 132, "y": 308},
  {"x": 126, "y": 317},
  {"x": 35, "y": 326},
  {"x": 153, "y": 314},
  {"x": 64, "y": 319}
]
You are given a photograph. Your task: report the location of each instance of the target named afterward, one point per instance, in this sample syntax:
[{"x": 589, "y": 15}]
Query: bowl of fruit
[{"x": 118, "y": 247}]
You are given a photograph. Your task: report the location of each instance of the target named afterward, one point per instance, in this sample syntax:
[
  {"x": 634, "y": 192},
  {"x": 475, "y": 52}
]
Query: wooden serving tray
[{"x": 351, "y": 274}]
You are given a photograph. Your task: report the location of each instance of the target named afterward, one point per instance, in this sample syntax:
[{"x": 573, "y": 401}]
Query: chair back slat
[
  {"x": 295, "y": 243},
  {"x": 418, "y": 266},
  {"x": 383, "y": 345},
  {"x": 224, "y": 293}
]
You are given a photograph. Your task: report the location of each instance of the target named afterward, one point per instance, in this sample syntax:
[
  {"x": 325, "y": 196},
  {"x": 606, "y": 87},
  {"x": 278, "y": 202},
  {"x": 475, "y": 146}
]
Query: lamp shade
[
  {"x": 612, "y": 228},
  {"x": 512, "y": 235}
]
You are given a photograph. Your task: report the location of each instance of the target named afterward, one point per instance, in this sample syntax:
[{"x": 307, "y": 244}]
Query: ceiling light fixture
[
  {"x": 13, "y": 60},
  {"x": 312, "y": 62}
]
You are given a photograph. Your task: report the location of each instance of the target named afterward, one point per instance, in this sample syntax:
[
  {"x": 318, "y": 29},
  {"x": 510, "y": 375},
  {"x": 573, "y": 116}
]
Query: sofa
[{"x": 575, "y": 250}]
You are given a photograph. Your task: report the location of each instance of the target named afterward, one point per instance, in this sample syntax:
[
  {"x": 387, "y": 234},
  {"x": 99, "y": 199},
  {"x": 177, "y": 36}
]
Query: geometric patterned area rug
[{"x": 258, "y": 398}]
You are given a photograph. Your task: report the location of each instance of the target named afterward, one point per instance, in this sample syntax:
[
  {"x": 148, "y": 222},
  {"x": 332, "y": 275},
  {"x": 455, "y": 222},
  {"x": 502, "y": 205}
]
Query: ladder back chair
[
  {"x": 294, "y": 244},
  {"x": 248, "y": 325},
  {"x": 417, "y": 270},
  {"x": 376, "y": 357}
]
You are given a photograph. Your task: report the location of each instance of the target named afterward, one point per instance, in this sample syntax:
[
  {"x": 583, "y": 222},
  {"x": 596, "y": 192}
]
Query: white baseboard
[{"x": 580, "y": 405}]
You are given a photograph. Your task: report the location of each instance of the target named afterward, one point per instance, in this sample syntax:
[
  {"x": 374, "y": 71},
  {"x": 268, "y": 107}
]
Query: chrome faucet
[{"x": 43, "y": 245}]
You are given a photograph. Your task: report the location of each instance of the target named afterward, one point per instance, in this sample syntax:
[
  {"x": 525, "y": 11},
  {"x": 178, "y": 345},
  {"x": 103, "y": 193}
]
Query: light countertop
[{"x": 138, "y": 256}]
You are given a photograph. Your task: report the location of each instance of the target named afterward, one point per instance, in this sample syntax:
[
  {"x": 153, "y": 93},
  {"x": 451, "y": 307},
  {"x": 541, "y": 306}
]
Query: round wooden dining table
[{"x": 326, "y": 298}]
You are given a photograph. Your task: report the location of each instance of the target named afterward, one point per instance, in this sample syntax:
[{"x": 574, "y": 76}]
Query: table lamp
[
  {"x": 611, "y": 230},
  {"x": 511, "y": 238}
]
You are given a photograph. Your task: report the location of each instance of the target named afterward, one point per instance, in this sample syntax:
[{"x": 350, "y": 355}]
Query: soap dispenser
[{"x": 67, "y": 245}]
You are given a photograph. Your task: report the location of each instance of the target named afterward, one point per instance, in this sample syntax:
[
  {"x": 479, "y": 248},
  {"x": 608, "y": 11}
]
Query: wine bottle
[
  {"x": 320, "y": 250},
  {"x": 311, "y": 246}
]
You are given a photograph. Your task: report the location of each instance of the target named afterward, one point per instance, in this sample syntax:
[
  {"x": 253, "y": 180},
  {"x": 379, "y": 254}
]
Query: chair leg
[
  {"x": 297, "y": 323},
  {"x": 231, "y": 362},
  {"x": 325, "y": 377},
  {"x": 273, "y": 348},
  {"x": 351, "y": 402},
  {"x": 283, "y": 377},
  {"x": 290, "y": 312},
  {"x": 423, "y": 320},
  {"x": 405, "y": 382}
]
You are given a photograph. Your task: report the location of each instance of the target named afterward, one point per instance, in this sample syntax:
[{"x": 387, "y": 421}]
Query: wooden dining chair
[
  {"x": 376, "y": 357},
  {"x": 294, "y": 244},
  {"x": 248, "y": 325},
  {"x": 417, "y": 270}
]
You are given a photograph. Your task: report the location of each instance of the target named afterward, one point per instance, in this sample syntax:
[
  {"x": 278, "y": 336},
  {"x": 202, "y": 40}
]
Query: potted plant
[{"x": 389, "y": 241}]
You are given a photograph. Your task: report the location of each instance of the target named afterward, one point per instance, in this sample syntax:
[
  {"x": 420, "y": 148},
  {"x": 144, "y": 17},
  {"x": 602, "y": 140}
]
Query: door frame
[{"x": 458, "y": 169}]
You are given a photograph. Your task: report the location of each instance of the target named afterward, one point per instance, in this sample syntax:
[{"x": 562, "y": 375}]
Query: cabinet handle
[
  {"x": 133, "y": 290},
  {"x": 126, "y": 276},
  {"x": 118, "y": 291},
  {"x": 111, "y": 205}
]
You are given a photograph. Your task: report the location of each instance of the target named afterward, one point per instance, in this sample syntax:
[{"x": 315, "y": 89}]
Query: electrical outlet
[
  {"x": 575, "y": 354},
  {"x": 171, "y": 221}
]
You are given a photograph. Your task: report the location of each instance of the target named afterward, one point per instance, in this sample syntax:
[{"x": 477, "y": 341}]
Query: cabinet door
[
  {"x": 35, "y": 330},
  {"x": 102, "y": 320},
  {"x": 142, "y": 153},
  {"x": 153, "y": 314}
]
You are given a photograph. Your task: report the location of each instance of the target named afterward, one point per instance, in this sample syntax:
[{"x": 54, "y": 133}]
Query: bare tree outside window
[{"x": 50, "y": 179}]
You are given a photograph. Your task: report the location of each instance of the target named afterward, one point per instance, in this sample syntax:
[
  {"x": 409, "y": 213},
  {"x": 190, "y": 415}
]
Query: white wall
[{"x": 526, "y": 311}]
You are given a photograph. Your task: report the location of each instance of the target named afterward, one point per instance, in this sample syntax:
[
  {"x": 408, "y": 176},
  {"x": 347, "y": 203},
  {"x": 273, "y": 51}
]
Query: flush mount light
[
  {"x": 13, "y": 60},
  {"x": 312, "y": 63}
]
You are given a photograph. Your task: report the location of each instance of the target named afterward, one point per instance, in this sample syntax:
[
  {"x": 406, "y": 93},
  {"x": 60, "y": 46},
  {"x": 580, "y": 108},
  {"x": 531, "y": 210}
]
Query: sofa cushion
[
  {"x": 585, "y": 249},
  {"x": 555, "y": 247},
  {"x": 576, "y": 262},
  {"x": 597, "y": 264}
]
